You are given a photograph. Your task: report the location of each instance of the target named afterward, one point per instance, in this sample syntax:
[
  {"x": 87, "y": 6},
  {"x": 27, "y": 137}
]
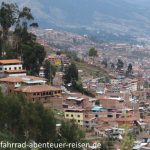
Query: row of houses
[
  {"x": 15, "y": 80},
  {"x": 117, "y": 104}
]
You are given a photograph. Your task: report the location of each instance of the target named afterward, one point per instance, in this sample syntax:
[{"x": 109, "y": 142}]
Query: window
[
  {"x": 110, "y": 116},
  {"x": 9, "y": 68},
  {"x": 67, "y": 115},
  {"x": 15, "y": 68},
  {"x": 0, "y": 68},
  {"x": 78, "y": 116},
  {"x": 96, "y": 115},
  {"x": 20, "y": 68},
  {"x": 34, "y": 94},
  {"x": 78, "y": 120},
  {"x": 72, "y": 115},
  {"x": 5, "y": 68}
]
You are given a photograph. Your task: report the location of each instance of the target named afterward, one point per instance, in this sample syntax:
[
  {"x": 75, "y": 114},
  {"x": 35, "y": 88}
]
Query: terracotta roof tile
[
  {"x": 20, "y": 79},
  {"x": 10, "y": 61},
  {"x": 127, "y": 119},
  {"x": 37, "y": 88}
]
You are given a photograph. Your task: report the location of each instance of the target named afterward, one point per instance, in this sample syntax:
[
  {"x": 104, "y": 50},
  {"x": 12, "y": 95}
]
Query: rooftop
[
  {"x": 97, "y": 108},
  {"x": 37, "y": 88},
  {"x": 75, "y": 109},
  {"x": 10, "y": 61},
  {"x": 21, "y": 79},
  {"x": 75, "y": 98}
]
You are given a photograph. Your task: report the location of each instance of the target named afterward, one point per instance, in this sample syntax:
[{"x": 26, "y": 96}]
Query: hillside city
[{"x": 104, "y": 87}]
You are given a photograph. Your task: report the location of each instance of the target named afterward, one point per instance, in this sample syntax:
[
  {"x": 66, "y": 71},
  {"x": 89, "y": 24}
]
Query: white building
[
  {"x": 132, "y": 85},
  {"x": 12, "y": 67}
]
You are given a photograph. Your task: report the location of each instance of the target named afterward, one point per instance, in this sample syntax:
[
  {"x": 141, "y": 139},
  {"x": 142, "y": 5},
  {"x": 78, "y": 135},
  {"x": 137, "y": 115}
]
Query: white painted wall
[
  {"x": 11, "y": 67},
  {"x": 17, "y": 74}
]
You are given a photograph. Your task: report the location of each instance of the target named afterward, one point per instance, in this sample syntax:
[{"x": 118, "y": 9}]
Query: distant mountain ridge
[{"x": 110, "y": 16}]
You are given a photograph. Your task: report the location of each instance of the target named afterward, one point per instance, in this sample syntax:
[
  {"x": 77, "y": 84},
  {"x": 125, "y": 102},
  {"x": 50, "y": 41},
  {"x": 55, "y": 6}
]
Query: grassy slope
[{"x": 90, "y": 70}]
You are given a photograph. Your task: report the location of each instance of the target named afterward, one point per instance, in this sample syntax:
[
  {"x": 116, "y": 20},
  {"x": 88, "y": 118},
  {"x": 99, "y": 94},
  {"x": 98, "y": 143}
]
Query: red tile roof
[
  {"x": 127, "y": 119},
  {"x": 37, "y": 88},
  {"x": 10, "y": 61},
  {"x": 20, "y": 79}
]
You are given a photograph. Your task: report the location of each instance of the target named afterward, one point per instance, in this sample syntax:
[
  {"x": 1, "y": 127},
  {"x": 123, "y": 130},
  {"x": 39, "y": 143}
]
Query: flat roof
[
  {"x": 75, "y": 109},
  {"x": 97, "y": 108},
  {"x": 75, "y": 98}
]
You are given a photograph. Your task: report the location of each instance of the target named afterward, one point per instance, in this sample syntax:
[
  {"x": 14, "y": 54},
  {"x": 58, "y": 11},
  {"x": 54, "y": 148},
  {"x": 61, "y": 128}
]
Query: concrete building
[{"x": 75, "y": 113}]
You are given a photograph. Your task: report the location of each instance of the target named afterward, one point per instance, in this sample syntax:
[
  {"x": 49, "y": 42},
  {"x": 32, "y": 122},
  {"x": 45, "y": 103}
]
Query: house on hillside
[
  {"x": 11, "y": 68},
  {"x": 45, "y": 94},
  {"x": 11, "y": 83}
]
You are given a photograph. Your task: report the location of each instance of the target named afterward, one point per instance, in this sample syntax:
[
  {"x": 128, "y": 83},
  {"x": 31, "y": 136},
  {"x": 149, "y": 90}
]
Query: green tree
[
  {"x": 49, "y": 71},
  {"x": 70, "y": 133},
  {"x": 107, "y": 144},
  {"x": 129, "y": 70},
  {"x": 11, "y": 16},
  {"x": 71, "y": 74},
  {"x": 71, "y": 55},
  {"x": 8, "y": 18},
  {"x": 33, "y": 57},
  {"x": 92, "y": 52},
  {"x": 112, "y": 66},
  {"x": 26, "y": 121},
  {"x": 21, "y": 29},
  {"x": 120, "y": 64},
  {"x": 97, "y": 102},
  {"x": 128, "y": 140},
  {"x": 32, "y": 53},
  {"x": 77, "y": 85},
  {"x": 22, "y": 121}
]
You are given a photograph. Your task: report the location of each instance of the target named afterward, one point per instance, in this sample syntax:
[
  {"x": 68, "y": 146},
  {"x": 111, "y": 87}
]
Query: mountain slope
[{"x": 110, "y": 16}]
